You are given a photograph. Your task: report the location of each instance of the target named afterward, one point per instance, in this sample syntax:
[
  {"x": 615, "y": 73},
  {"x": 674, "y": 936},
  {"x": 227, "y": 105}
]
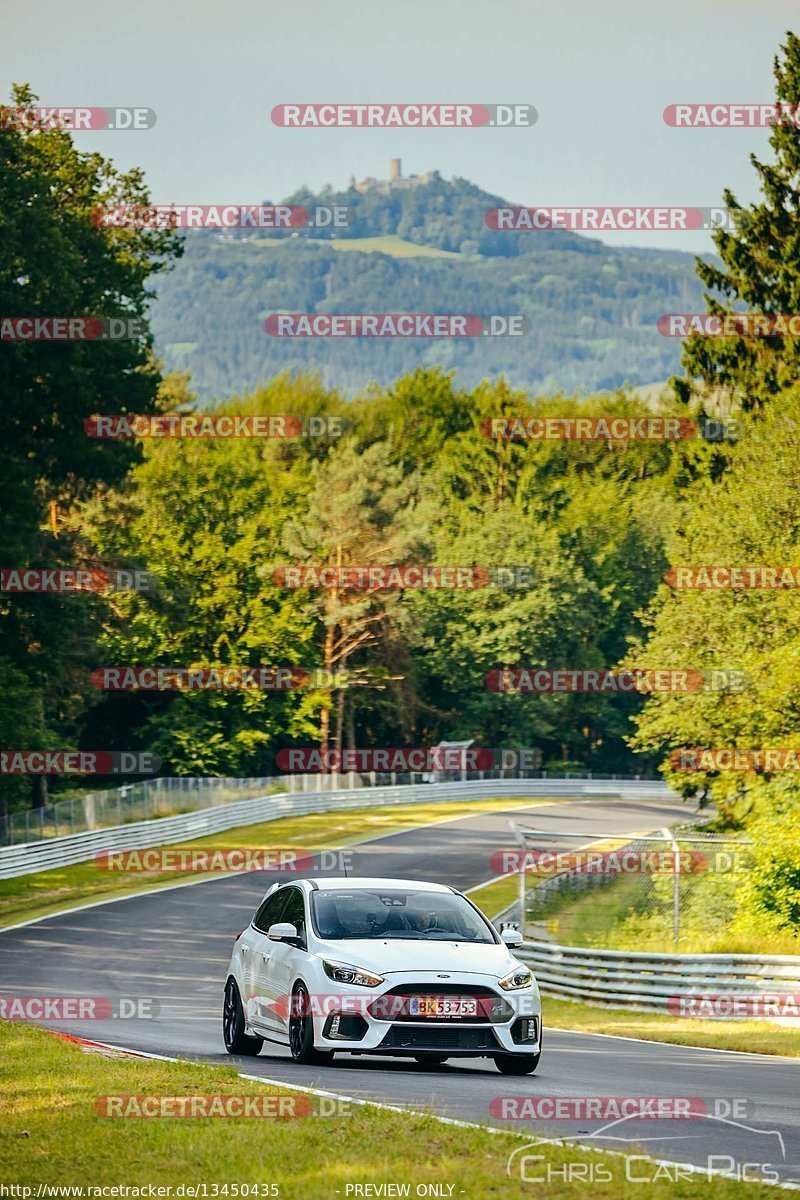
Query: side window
[
  {"x": 295, "y": 911},
  {"x": 271, "y": 911}
]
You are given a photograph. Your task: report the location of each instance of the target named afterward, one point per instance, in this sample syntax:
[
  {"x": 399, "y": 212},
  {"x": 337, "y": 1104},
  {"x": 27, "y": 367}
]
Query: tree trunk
[
  {"x": 351, "y": 722},
  {"x": 39, "y": 790},
  {"x": 330, "y": 641},
  {"x": 337, "y": 743},
  {"x": 341, "y": 698},
  {"x": 324, "y": 732}
]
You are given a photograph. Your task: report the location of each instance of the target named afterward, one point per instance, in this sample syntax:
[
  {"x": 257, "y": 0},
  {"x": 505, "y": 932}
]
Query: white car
[{"x": 376, "y": 966}]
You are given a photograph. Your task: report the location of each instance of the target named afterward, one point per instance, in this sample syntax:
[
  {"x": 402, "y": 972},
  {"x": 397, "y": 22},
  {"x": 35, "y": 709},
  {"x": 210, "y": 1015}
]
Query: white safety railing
[
  {"x": 670, "y": 983},
  {"x": 167, "y": 796},
  {"x": 81, "y": 847}
]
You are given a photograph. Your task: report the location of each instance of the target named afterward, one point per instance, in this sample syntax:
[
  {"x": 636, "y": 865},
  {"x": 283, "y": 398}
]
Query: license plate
[{"x": 442, "y": 1006}]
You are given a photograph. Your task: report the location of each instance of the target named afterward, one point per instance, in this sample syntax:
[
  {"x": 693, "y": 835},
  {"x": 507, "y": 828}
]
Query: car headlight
[
  {"x": 520, "y": 977},
  {"x": 345, "y": 973}
]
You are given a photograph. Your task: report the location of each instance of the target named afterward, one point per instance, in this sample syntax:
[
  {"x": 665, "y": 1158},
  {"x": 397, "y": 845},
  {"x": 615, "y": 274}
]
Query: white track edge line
[{"x": 412, "y": 1112}]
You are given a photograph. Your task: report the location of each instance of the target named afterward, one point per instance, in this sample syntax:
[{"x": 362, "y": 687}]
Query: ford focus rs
[{"x": 386, "y": 967}]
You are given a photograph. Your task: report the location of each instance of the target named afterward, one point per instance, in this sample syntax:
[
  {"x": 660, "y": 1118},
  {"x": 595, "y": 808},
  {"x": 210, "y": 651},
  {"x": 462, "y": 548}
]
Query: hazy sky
[{"x": 599, "y": 75}]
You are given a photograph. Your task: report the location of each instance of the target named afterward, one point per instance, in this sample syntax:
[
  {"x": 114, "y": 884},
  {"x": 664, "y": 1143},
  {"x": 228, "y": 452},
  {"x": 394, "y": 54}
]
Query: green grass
[
  {"x": 761, "y": 1037},
  {"x": 391, "y": 244},
  {"x": 634, "y": 912},
  {"x": 498, "y": 894},
  {"x": 591, "y": 919},
  {"x": 52, "y": 1134},
  {"x": 50, "y": 891},
  {"x": 493, "y": 897}
]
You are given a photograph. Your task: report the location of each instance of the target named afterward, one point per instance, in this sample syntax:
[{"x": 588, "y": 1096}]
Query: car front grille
[
  {"x": 393, "y": 1005},
  {"x": 439, "y": 1037}
]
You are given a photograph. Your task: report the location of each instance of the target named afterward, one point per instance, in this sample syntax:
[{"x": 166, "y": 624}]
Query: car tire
[
  {"x": 301, "y": 1031},
  {"x": 516, "y": 1064},
  {"x": 233, "y": 1024},
  {"x": 430, "y": 1060},
  {"x": 519, "y": 1064}
]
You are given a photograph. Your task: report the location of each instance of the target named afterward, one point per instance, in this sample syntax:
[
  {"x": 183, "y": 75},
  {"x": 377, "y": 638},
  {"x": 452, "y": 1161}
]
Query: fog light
[
  {"x": 345, "y": 1027},
  {"x": 525, "y": 1029}
]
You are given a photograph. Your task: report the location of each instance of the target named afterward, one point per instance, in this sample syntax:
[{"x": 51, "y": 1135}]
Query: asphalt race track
[{"x": 172, "y": 947}]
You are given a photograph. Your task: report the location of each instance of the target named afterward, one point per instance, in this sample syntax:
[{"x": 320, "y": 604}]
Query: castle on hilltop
[{"x": 396, "y": 182}]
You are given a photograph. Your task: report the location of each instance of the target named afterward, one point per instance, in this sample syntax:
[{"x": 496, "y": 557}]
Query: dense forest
[
  {"x": 592, "y": 310},
  {"x": 410, "y": 478}
]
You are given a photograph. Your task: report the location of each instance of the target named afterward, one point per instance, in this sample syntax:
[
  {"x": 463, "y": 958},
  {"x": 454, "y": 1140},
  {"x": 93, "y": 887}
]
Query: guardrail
[
  {"x": 167, "y": 796},
  {"x": 656, "y": 982},
  {"x": 33, "y": 857}
]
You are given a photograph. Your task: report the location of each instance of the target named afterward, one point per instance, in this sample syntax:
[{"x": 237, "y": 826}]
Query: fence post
[{"x": 676, "y": 895}]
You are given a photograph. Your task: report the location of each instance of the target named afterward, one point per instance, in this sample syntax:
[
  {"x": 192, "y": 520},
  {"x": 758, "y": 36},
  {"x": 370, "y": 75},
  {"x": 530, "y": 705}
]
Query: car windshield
[{"x": 389, "y": 913}]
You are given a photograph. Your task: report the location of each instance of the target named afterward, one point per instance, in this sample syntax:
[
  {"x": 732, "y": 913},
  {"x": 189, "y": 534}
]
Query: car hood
[{"x": 398, "y": 956}]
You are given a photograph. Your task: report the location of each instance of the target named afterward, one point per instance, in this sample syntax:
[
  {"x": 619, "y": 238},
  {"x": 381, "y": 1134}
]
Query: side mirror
[
  {"x": 284, "y": 931},
  {"x": 511, "y": 937}
]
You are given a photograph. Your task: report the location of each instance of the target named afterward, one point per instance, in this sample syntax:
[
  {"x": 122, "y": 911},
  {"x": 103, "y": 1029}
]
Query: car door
[
  {"x": 260, "y": 996},
  {"x": 285, "y": 961}
]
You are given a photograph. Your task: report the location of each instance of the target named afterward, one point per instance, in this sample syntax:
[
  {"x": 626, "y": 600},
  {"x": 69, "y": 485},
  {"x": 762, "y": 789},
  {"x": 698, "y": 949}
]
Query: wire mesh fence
[
  {"x": 148, "y": 800},
  {"x": 662, "y": 889},
  {"x": 163, "y": 797}
]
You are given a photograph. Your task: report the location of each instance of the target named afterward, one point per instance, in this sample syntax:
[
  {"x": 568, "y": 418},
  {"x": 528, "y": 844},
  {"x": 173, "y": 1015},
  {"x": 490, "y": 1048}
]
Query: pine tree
[{"x": 760, "y": 270}]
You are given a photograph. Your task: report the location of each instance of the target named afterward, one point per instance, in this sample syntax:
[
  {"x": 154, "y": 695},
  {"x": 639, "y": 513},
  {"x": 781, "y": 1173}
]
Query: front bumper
[{"x": 372, "y": 1021}]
